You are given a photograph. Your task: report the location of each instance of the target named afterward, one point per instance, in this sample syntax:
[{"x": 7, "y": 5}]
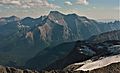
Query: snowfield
[{"x": 99, "y": 63}]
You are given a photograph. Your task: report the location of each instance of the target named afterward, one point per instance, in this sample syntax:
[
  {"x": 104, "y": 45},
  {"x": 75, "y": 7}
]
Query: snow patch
[
  {"x": 82, "y": 63},
  {"x": 87, "y": 51},
  {"x": 99, "y": 63},
  {"x": 23, "y": 26},
  {"x": 86, "y": 21}
]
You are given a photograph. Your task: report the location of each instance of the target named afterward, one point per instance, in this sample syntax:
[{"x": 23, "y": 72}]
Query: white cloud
[
  {"x": 78, "y": 2},
  {"x": 117, "y": 8},
  {"x": 10, "y": 2},
  {"x": 94, "y": 7},
  {"x": 16, "y": 2},
  {"x": 29, "y": 3},
  {"x": 26, "y": 6},
  {"x": 82, "y": 2},
  {"x": 68, "y": 3},
  {"x": 42, "y": 3}
]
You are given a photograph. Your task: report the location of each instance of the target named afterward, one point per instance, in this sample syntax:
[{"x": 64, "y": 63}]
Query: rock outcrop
[
  {"x": 14, "y": 70},
  {"x": 112, "y": 68}
]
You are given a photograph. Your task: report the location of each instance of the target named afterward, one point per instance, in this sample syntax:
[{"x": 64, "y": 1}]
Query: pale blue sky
[{"x": 98, "y": 9}]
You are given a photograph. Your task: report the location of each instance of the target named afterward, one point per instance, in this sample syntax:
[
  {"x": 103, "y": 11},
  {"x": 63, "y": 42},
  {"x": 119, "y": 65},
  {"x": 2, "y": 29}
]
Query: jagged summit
[
  {"x": 13, "y": 16},
  {"x": 73, "y": 14},
  {"x": 55, "y": 15},
  {"x": 27, "y": 18},
  {"x": 55, "y": 12},
  {"x": 10, "y": 19}
]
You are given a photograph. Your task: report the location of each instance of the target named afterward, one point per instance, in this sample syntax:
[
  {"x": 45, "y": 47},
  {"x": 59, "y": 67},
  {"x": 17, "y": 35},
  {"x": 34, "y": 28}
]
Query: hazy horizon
[
  {"x": 99, "y": 20},
  {"x": 100, "y": 9}
]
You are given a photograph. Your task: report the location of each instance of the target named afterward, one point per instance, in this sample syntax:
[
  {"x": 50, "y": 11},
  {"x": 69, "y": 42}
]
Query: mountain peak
[
  {"x": 55, "y": 13},
  {"x": 11, "y": 18},
  {"x": 56, "y": 16},
  {"x": 28, "y": 18},
  {"x": 73, "y": 14}
]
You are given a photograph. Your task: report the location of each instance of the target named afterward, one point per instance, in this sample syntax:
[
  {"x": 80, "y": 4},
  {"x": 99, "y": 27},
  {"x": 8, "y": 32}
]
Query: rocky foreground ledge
[
  {"x": 14, "y": 70},
  {"x": 112, "y": 68}
]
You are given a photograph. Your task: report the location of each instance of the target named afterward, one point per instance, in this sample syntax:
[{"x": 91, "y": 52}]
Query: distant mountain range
[
  {"x": 112, "y": 35},
  {"x": 22, "y": 39},
  {"x": 107, "y": 20}
]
